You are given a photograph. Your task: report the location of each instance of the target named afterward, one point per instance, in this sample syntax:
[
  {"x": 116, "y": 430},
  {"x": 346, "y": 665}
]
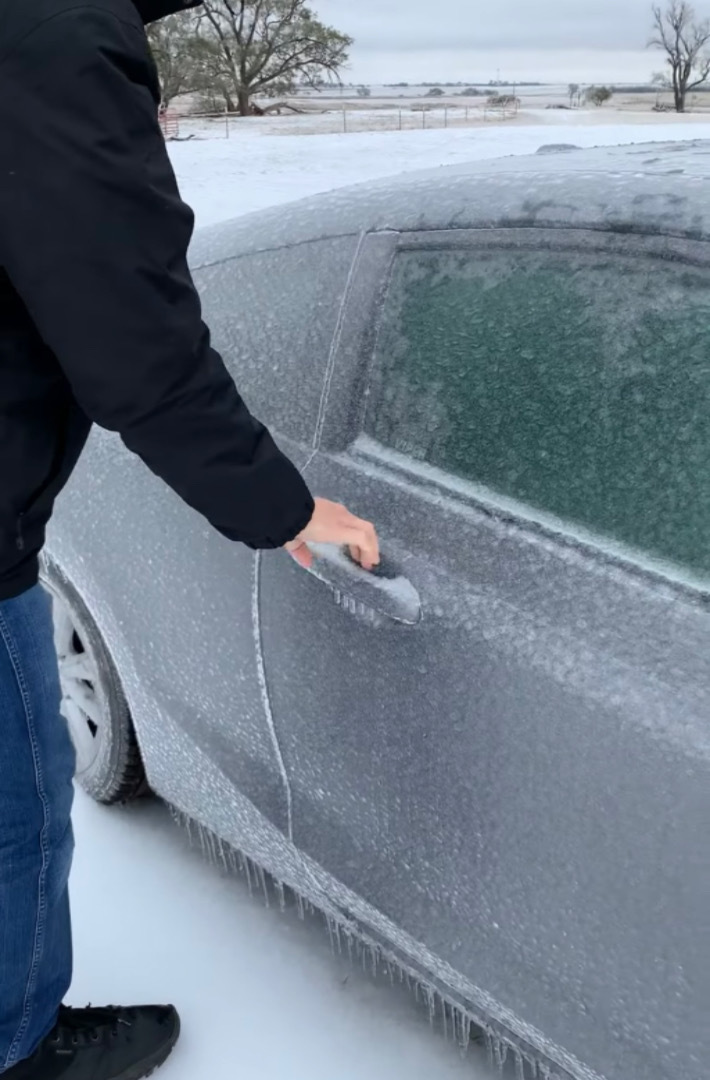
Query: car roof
[{"x": 651, "y": 188}]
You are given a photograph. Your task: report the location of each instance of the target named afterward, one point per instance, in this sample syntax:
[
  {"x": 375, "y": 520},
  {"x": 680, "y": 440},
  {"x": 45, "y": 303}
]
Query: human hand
[{"x": 333, "y": 524}]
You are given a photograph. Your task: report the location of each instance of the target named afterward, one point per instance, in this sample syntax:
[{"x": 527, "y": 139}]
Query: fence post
[
  {"x": 446, "y": 116},
  {"x": 226, "y": 120},
  {"x": 345, "y": 120},
  {"x": 467, "y": 114},
  {"x": 423, "y": 118},
  {"x": 400, "y": 119}
]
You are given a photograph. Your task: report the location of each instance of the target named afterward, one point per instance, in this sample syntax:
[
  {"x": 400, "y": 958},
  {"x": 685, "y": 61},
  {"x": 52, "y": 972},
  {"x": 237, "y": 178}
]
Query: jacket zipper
[{"x": 19, "y": 538}]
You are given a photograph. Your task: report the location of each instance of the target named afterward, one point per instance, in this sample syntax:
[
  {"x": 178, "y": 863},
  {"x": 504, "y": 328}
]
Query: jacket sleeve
[{"x": 94, "y": 237}]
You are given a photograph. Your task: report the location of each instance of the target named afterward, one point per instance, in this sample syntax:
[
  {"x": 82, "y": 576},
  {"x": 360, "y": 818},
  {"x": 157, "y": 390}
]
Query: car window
[
  {"x": 576, "y": 383},
  {"x": 272, "y": 316}
]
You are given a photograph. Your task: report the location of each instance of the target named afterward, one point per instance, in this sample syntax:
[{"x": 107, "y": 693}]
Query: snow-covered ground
[
  {"x": 261, "y": 994},
  {"x": 223, "y": 178}
]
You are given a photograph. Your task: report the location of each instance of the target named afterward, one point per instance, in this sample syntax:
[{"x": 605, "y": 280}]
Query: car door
[
  {"x": 179, "y": 595},
  {"x": 513, "y": 780}
]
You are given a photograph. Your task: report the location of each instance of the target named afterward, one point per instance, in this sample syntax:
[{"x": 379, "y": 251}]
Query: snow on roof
[{"x": 658, "y": 188}]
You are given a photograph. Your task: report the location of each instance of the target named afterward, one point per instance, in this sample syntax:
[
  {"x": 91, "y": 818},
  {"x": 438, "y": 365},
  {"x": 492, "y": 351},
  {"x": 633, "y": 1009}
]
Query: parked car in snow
[{"x": 492, "y": 758}]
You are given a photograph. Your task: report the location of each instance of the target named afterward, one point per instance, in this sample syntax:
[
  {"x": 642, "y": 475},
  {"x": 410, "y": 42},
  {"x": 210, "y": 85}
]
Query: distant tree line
[{"x": 231, "y": 51}]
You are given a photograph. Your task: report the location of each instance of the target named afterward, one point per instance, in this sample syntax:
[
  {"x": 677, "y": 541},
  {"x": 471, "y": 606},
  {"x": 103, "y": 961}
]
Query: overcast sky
[{"x": 545, "y": 40}]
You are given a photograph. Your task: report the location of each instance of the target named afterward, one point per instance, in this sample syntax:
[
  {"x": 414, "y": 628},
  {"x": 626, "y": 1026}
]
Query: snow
[
  {"x": 261, "y": 994},
  {"x": 224, "y": 178}
]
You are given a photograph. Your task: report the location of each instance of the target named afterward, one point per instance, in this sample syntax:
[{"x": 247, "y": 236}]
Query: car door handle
[{"x": 384, "y": 593}]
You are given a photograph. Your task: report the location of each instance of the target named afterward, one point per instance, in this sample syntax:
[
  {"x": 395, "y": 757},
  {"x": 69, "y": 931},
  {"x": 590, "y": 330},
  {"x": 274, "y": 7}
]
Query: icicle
[
  {"x": 500, "y": 1052},
  {"x": 247, "y": 871},
  {"x": 263, "y": 884},
  {"x": 330, "y": 923},
  {"x": 465, "y": 1033},
  {"x": 281, "y": 894},
  {"x": 488, "y": 1035},
  {"x": 532, "y": 1062},
  {"x": 461, "y": 1025},
  {"x": 299, "y": 906},
  {"x": 519, "y": 1065},
  {"x": 336, "y": 942},
  {"x": 445, "y": 1017},
  {"x": 375, "y": 957},
  {"x": 431, "y": 1003}
]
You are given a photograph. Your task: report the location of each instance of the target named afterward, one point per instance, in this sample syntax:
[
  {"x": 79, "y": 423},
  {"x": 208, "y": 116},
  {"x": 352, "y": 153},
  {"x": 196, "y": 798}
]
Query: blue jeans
[{"x": 36, "y": 843}]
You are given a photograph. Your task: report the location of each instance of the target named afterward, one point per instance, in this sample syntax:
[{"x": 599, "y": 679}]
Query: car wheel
[{"x": 108, "y": 760}]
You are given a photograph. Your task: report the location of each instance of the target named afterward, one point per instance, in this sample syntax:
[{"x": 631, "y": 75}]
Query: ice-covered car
[{"x": 490, "y": 760}]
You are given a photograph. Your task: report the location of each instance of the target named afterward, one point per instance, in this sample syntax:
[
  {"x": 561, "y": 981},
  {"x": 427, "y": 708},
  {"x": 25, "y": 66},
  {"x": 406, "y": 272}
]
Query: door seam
[
  {"x": 333, "y": 352},
  {"x": 264, "y": 690}
]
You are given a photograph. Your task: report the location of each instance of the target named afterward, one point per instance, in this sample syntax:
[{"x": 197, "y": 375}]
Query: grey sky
[{"x": 580, "y": 40}]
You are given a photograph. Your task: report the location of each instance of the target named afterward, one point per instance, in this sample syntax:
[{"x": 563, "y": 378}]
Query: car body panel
[{"x": 512, "y": 793}]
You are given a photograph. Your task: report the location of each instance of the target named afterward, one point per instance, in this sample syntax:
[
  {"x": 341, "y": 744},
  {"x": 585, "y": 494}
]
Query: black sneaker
[{"x": 103, "y": 1044}]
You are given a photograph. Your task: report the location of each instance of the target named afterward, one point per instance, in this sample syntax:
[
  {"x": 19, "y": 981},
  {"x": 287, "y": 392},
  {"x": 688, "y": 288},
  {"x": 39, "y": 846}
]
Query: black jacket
[{"x": 99, "y": 319}]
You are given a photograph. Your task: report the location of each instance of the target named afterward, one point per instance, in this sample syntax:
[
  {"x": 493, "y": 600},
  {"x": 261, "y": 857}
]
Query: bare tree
[
  {"x": 685, "y": 39},
  {"x": 599, "y": 95},
  {"x": 573, "y": 92},
  {"x": 172, "y": 42},
  {"x": 250, "y": 47}
]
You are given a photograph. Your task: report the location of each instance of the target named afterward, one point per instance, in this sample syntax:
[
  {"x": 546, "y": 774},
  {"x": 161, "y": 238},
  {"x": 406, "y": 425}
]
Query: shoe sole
[{"x": 148, "y": 1066}]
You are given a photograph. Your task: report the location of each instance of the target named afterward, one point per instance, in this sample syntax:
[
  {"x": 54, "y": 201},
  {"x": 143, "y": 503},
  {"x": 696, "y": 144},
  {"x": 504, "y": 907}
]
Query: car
[{"x": 490, "y": 759}]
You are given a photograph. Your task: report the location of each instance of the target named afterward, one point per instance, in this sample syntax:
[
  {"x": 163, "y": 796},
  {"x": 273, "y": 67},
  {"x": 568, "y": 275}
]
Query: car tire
[{"x": 109, "y": 764}]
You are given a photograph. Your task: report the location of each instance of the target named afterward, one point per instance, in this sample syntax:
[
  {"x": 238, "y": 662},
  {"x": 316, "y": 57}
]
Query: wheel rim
[{"x": 82, "y": 703}]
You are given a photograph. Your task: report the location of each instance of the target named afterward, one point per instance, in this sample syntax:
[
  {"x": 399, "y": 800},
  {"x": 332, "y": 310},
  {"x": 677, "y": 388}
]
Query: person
[{"x": 99, "y": 323}]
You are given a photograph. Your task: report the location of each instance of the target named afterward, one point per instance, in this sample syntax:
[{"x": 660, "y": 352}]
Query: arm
[{"x": 94, "y": 237}]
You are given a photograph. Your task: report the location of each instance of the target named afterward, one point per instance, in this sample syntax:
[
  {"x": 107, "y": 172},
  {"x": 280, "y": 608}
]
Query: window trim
[
  {"x": 673, "y": 248},
  {"x": 536, "y": 526}
]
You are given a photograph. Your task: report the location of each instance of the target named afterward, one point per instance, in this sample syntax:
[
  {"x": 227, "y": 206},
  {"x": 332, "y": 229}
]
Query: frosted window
[{"x": 578, "y": 384}]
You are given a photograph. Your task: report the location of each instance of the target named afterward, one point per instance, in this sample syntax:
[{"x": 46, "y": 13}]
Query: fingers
[
  {"x": 302, "y": 554},
  {"x": 332, "y": 523},
  {"x": 355, "y": 553},
  {"x": 363, "y": 543}
]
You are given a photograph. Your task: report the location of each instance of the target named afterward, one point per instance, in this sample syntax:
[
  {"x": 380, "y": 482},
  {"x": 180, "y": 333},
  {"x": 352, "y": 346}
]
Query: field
[
  {"x": 258, "y": 166},
  {"x": 408, "y": 109}
]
